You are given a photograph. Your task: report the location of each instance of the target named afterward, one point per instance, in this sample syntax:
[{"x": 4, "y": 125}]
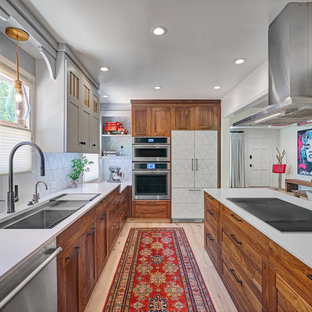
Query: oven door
[
  {"x": 151, "y": 152},
  {"x": 151, "y": 185}
]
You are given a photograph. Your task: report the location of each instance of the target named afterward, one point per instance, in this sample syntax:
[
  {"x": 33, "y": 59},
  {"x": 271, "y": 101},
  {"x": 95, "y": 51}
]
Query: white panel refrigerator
[{"x": 194, "y": 168}]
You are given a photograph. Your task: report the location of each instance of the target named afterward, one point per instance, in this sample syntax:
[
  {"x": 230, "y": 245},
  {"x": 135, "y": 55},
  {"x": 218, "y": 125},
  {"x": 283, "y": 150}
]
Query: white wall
[
  {"x": 249, "y": 90},
  {"x": 288, "y": 141},
  {"x": 273, "y": 137}
]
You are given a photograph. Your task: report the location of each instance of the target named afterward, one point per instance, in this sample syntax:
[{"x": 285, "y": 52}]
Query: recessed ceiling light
[
  {"x": 157, "y": 88},
  {"x": 217, "y": 87},
  {"x": 159, "y": 30},
  {"x": 104, "y": 69},
  {"x": 105, "y": 96},
  {"x": 239, "y": 61}
]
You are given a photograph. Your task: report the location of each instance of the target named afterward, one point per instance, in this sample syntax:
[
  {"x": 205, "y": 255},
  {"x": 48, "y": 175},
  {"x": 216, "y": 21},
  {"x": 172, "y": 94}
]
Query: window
[{"x": 15, "y": 124}]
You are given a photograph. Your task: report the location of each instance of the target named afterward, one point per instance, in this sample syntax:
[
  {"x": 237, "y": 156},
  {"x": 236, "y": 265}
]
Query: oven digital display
[
  {"x": 150, "y": 140},
  {"x": 151, "y": 166}
]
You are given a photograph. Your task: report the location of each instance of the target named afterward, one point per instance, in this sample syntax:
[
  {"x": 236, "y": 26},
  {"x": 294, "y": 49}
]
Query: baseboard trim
[{"x": 181, "y": 220}]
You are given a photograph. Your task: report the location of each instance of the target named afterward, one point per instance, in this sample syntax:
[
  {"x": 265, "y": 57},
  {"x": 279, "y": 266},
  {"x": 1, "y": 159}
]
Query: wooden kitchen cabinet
[
  {"x": 86, "y": 246},
  {"x": 207, "y": 117},
  {"x": 159, "y": 117},
  {"x": 258, "y": 273},
  {"x": 141, "y": 121},
  {"x": 183, "y": 118},
  {"x": 160, "y": 121},
  {"x": 70, "y": 285}
]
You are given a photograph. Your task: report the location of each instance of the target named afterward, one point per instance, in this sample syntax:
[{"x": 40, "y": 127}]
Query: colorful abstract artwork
[{"x": 305, "y": 152}]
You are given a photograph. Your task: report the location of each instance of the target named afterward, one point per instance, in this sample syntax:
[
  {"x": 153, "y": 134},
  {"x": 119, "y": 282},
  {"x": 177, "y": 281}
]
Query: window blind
[{"x": 10, "y": 136}]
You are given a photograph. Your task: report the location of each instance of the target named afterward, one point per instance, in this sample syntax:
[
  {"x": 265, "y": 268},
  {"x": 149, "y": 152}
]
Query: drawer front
[
  {"x": 151, "y": 209},
  {"x": 238, "y": 287},
  {"x": 236, "y": 250},
  {"x": 251, "y": 236},
  {"x": 113, "y": 211},
  {"x": 113, "y": 197},
  {"x": 294, "y": 272},
  {"x": 288, "y": 300},
  {"x": 113, "y": 231},
  {"x": 101, "y": 206},
  {"x": 212, "y": 206},
  {"x": 212, "y": 247},
  {"x": 212, "y": 225}
]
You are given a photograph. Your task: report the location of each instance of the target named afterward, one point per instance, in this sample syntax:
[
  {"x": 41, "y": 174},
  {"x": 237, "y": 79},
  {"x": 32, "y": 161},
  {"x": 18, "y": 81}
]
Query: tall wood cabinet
[{"x": 159, "y": 117}]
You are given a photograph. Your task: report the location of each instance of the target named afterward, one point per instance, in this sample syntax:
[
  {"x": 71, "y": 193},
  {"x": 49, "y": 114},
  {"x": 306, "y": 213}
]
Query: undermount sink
[{"x": 49, "y": 214}]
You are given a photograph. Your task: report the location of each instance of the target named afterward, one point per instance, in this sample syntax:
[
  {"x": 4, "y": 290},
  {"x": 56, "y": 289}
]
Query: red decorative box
[{"x": 279, "y": 169}]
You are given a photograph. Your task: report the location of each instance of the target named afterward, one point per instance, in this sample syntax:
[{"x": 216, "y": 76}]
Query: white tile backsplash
[
  {"x": 57, "y": 167},
  {"x": 124, "y": 163}
]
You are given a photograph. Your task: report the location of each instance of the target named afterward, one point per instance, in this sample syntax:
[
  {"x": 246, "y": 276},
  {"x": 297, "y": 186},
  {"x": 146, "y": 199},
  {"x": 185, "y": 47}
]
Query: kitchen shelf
[
  {"x": 116, "y": 135},
  {"x": 118, "y": 157}
]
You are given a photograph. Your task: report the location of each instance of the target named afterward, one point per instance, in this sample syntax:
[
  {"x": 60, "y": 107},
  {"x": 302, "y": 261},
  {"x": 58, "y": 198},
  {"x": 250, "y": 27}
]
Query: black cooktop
[{"x": 282, "y": 215}]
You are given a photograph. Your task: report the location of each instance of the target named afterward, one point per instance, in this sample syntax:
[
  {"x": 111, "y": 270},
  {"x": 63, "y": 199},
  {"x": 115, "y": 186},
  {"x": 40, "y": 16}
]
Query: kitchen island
[{"x": 261, "y": 267}]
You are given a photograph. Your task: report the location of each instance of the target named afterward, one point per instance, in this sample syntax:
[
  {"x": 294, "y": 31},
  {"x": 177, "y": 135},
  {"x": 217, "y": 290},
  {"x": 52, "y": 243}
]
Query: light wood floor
[{"x": 194, "y": 232}]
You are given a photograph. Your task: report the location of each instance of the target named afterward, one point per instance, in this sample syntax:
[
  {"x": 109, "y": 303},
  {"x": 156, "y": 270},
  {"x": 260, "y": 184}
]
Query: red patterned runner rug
[{"x": 158, "y": 272}]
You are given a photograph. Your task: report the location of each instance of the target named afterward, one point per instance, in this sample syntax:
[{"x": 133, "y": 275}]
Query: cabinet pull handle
[
  {"x": 235, "y": 239},
  {"x": 93, "y": 229},
  {"x": 192, "y": 164},
  {"x": 309, "y": 276},
  {"x": 76, "y": 250},
  {"x": 236, "y": 278},
  {"x": 210, "y": 212},
  {"x": 103, "y": 218},
  {"x": 209, "y": 196},
  {"x": 234, "y": 217},
  {"x": 196, "y": 164},
  {"x": 93, "y": 144},
  {"x": 210, "y": 237}
]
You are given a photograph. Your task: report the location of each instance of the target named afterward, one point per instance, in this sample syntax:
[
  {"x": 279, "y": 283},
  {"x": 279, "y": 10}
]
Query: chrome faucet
[
  {"x": 13, "y": 195},
  {"x": 36, "y": 196}
]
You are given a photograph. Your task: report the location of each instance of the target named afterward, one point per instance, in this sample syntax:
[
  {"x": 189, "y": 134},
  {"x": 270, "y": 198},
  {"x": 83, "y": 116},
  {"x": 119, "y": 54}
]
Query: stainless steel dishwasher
[{"x": 33, "y": 286}]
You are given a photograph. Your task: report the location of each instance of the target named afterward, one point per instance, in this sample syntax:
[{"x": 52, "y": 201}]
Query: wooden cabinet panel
[
  {"x": 212, "y": 247},
  {"x": 70, "y": 286},
  {"x": 161, "y": 121},
  {"x": 101, "y": 242},
  {"x": 89, "y": 270},
  {"x": 212, "y": 216},
  {"x": 151, "y": 209},
  {"x": 183, "y": 118},
  {"x": 141, "y": 120},
  {"x": 207, "y": 117}
]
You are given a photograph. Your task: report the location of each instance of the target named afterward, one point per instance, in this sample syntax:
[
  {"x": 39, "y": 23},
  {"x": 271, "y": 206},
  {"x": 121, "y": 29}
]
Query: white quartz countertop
[
  {"x": 17, "y": 245},
  {"x": 298, "y": 244}
]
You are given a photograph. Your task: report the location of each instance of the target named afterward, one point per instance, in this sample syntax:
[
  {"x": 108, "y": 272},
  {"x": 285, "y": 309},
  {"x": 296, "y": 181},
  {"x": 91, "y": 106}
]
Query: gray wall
[{"x": 8, "y": 50}]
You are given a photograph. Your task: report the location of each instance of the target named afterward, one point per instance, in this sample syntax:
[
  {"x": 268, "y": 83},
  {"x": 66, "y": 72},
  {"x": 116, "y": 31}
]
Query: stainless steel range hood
[{"x": 290, "y": 69}]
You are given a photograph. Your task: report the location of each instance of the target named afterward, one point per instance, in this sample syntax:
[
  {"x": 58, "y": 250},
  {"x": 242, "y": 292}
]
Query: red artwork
[{"x": 158, "y": 273}]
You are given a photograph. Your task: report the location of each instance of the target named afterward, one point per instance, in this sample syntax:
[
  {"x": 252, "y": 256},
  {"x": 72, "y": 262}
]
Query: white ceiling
[{"x": 197, "y": 53}]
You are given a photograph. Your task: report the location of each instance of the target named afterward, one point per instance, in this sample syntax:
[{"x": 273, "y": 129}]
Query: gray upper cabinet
[{"x": 67, "y": 109}]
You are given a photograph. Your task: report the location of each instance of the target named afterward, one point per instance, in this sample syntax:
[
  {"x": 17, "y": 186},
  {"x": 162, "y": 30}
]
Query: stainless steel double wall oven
[{"x": 151, "y": 168}]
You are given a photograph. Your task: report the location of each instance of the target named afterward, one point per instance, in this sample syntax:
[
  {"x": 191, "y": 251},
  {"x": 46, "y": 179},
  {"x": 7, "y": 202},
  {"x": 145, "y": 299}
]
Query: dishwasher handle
[{"x": 21, "y": 285}]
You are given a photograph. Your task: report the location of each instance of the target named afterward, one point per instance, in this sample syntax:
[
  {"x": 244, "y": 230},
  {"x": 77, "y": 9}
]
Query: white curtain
[{"x": 237, "y": 159}]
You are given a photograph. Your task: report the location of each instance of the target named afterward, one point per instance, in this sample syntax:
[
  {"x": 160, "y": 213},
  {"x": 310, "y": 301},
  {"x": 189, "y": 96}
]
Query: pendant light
[{"x": 18, "y": 35}]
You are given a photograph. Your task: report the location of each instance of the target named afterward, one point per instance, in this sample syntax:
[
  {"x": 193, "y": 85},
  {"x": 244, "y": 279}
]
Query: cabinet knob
[{"x": 93, "y": 144}]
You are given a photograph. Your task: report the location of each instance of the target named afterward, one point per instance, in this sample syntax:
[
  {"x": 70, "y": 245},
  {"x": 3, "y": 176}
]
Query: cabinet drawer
[
  {"x": 212, "y": 247},
  {"x": 101, "y": 206},
  {"x": 151, "y": 209},
  {"x": 113, "y": 211},
  {"x": 235, "y": 249},
  {"x": 212, "y": 205},
  {"x": 113, "y": 197},
  {"x": 294, "y": 272},
  {"x": 113, "y": 231},
  {"x": 255, "y": 239},
  {"x": 235, "y": 280},
  {"x": 288, "y": 300}
]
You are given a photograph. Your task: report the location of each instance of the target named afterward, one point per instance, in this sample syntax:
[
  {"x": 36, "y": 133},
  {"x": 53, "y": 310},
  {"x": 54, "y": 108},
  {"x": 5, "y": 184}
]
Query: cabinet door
[
  {"x": 101, "y": 242},
  {"x": 207, "y": 117},
  {"x": 73, "y": 110},
  {"x": 206, "y": 159},
  {"x": 141, "y": 120},
  {"x": 187, "y": 203},
  {"x": 182, "y": 162},
  {"x": 161, "y": 121},
  {"x": 183, "y": 118},
  {"x": 95, "y": 134},
  {"x": 84, "y": 134},
  {"x": 69, "y": 284}
]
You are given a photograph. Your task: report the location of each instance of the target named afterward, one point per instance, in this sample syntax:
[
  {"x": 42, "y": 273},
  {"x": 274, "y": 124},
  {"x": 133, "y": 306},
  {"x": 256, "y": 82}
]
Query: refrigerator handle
[
  {"x": 196, "y": 164},
  {"x": 192, "y": 164}
]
